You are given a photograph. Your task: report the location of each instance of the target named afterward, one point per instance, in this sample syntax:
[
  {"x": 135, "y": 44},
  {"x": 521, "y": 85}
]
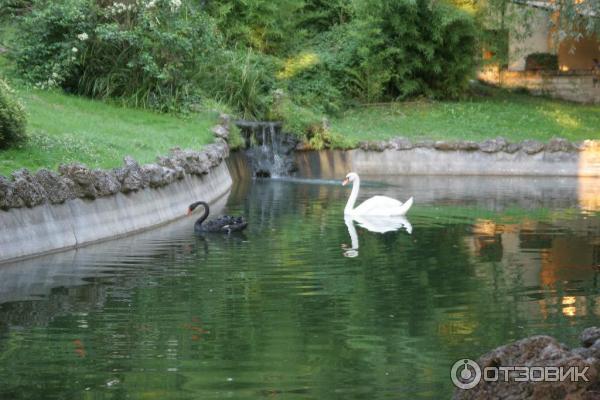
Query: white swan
[{"x": 376, "y": 205}]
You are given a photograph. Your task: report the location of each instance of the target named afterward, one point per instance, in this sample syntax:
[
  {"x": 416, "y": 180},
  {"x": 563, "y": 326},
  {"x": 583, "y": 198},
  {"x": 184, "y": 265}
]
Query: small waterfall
[{"x": 269, "y": 149}]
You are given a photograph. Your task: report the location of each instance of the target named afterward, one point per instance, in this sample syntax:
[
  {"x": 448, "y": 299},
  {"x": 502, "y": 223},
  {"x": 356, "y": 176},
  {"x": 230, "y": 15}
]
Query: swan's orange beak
[
  {"x": 189, "y": 211},
  {"x": 345, "y": 182}
]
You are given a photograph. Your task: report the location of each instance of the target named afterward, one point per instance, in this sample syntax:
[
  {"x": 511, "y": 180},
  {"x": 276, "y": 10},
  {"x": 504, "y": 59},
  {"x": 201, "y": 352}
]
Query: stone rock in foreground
[
  {"x": 216, "y": 152},
  {"x": 192, "y": 162},
  {"x": 220, "y": 131},
  {"x": 559, "y": 144},
  {"x": 82, "y": 178},
  {"x": 157, "y": 175},
  {"x": 426, "y": 144},
  {"x": 173, "y": 168},
  {"x": 445, "y": 145},
  {"x": 8, "y": 197},
  {"x": 106, "y": 182},
  {"x": 532, "y": 146},
  {"x": 130, "y": 176},
  {"x": 540, "y": 351},
  {"x": 590, "y": 336},
  {"x": 374, "y": 146},
  {"x": 58, "y": 188},
  {"x": 493, "y": 145},
  {"x": 400, "y": 143},
  {"x": 467, "y": 145},
  {"x": 512, "y": 148},
  {"x": 27, "y": 188}
]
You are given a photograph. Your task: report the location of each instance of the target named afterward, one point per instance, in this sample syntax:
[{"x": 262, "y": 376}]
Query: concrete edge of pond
[
  {"x": 431, "y": 161},
  {"x": 50, "y": 212},
  {"x": 49, "y": 228}
]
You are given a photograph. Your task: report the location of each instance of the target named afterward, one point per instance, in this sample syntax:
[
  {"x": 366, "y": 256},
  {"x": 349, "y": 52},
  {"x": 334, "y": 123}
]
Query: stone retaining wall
[
  {"x": 573, "y": 87},
  {"x": 48, "y": 211},
  {"x": 400, "y": 156}
]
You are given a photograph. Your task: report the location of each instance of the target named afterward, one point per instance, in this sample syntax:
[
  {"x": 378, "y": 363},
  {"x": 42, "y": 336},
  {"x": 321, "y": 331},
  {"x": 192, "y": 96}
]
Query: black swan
[{"x": 223, "y": 224}]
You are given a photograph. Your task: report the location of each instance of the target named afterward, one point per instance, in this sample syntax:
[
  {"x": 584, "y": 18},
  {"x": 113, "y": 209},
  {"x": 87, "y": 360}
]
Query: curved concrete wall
[
  {"x": 427, "y": 161},
  {"x": 47, "y": 228},
  {"x": 423, "y": 161}
]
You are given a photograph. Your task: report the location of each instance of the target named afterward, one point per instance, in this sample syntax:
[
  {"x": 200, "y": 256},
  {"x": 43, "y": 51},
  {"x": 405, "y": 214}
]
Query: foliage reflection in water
[{"x": 279, "y": 312}]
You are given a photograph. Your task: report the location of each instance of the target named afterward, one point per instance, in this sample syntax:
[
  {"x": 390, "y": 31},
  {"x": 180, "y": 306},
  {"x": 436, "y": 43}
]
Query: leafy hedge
[
  {"x": 323, "y": 55},
  {"x": 12, "y": 117}
]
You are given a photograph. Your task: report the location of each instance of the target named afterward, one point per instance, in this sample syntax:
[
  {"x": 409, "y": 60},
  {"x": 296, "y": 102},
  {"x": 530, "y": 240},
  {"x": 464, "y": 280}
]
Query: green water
[{"x": 282, "y": 312}]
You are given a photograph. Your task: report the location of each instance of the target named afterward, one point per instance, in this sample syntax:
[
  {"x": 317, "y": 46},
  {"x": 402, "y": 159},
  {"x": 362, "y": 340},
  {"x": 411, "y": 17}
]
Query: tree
[{"x": 264, "y": 25}]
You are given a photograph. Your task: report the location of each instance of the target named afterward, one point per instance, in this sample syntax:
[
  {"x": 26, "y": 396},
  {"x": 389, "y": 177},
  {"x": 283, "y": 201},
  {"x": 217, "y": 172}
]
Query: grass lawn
[
  {"x": 65, "y": 129},
  {"x": 500, "y": 113}
]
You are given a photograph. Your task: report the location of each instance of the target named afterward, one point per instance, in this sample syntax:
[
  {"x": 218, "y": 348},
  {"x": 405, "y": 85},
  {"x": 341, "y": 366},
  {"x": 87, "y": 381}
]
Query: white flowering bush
[
  {"x": 144, "y": 52},
  {"x": 45, "y": 45}
]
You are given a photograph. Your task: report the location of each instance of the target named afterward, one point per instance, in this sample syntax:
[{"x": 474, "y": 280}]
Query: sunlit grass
[
  {"x": 566, "y": 120},
  {"x": 65, "y": 129},
  {"x": 514, "y": 116}
]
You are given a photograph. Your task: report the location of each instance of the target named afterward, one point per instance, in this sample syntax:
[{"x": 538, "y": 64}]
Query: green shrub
[
  {"x": 354, "y": 67},
  {"x": 541, "y": 61},
  {"x": 145, "y": 53},
  {"x": 12, "y": 117},
  {"x": 296, "y": 118},
  {"x": 431, "y": 47},
  {"x": 388, "y": 51},
  {"x": 14, "y": 7},
  {"x": 242, "y": 79},
  {"x": 47, "y": 46},
  {"x": 266, "y": 26}
]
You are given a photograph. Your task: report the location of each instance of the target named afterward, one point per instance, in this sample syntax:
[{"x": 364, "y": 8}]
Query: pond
[{"x": 290, "y": 310}]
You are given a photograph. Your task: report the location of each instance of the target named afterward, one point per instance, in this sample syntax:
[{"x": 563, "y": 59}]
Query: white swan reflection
[{"x": 375, "y": 224}]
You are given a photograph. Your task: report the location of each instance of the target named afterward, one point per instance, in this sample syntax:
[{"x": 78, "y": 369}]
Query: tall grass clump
[{"x": 242, "y": 78}]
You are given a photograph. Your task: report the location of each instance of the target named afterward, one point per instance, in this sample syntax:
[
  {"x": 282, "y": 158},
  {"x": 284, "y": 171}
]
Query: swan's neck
[
  {"x": 353, "y": 196},
  {"x": 200, "y": 220}
]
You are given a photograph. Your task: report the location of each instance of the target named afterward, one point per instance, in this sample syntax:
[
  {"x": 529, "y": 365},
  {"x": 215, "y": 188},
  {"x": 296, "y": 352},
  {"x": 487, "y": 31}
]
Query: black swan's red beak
[{"x": 189, "y": 211}]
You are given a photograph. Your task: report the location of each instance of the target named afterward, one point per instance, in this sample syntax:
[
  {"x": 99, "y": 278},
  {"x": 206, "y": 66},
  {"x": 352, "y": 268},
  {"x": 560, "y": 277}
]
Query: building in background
[{"x": 538, "y": 60}]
